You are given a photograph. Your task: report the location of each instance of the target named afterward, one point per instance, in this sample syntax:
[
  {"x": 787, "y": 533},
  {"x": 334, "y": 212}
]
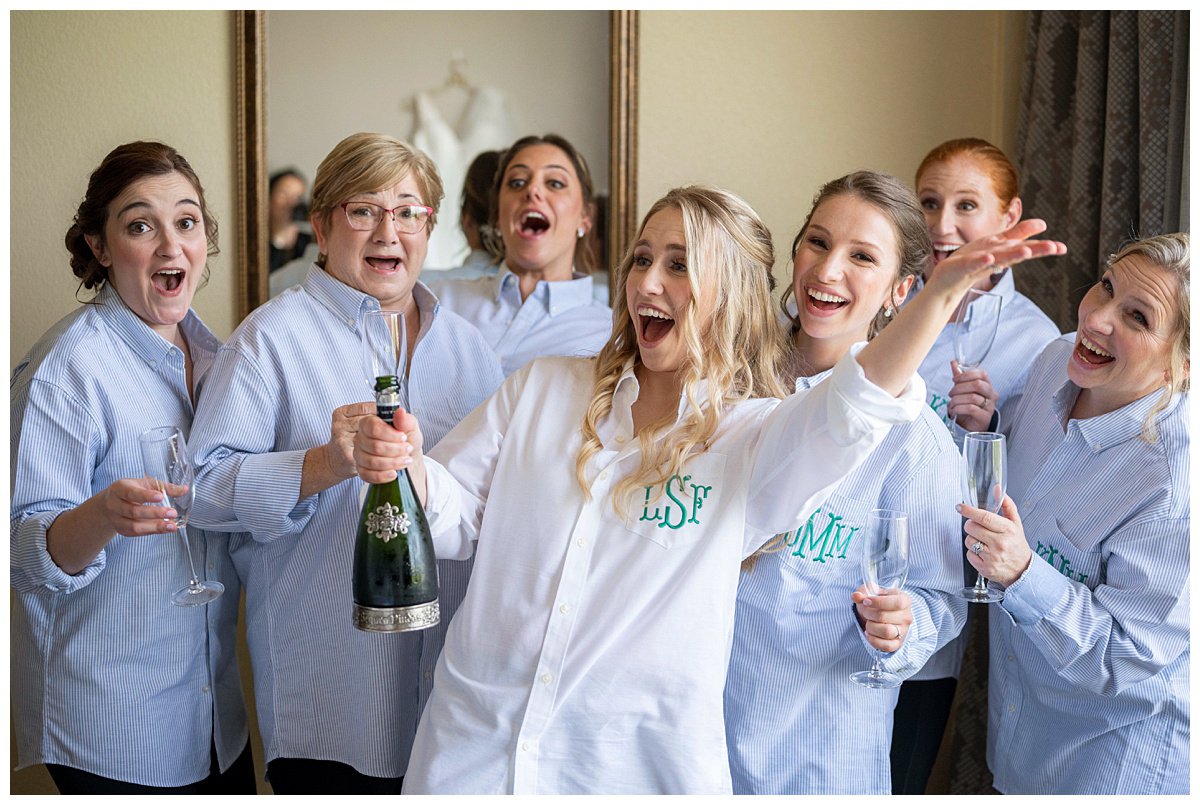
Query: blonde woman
[
  {"x": 337, "y": 707},
  {"x": 1089, "y": 659},
  {"x": 609, "y": 503}
]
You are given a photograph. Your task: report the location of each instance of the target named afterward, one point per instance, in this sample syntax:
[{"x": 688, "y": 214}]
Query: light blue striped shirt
[
  {"x": 323, "y": 689},
  {"x": 1023, "y": 332},
  {"x": 558, "y": 318},
  {"x": 1088, "y": 674},
  {"x": 108, "y": 676},
  {"x": 794, "y": 722}
]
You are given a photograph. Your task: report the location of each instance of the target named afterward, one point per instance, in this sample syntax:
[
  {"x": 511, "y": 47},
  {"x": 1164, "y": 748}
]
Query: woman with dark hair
[
  {"x": 541, "y": 302},
  {"x": 475, "y": 220},
  {"x": 286, "y": 213},
  {"x": 115, "y": 689}
]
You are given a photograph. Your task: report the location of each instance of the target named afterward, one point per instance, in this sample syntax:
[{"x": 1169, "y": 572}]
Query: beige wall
[
  {"x": 83, "y": 83},
  {"x": 771, "y": 105}
]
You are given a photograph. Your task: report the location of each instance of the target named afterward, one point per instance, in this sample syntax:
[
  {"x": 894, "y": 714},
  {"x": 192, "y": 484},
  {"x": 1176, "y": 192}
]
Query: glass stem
[
  {"x": 876, "y": 663},
  {"x": 187, "y": 547},
  {"x": 981, "y": 587}
]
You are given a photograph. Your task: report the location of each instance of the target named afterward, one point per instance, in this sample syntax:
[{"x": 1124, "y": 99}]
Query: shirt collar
[
  {"x": 1115, "y": 427},
  {"x": 626, "y": 392},
  {"x": 556, "y": 297},
  {"x": 346, "y": 304},
  {"x": 803, "y": 383},
  {"x": 144, "y": 341}
]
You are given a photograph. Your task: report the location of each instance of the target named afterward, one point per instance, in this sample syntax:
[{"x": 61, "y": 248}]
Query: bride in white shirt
[{"x": 609, "y": 502}]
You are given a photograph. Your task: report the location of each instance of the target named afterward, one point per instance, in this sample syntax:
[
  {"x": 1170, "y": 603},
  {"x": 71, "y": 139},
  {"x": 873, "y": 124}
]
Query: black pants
[
  {"x": 304, "y": 776},
  {"x": 238, "y": 779},
  {"x": 920, "y": 721}
]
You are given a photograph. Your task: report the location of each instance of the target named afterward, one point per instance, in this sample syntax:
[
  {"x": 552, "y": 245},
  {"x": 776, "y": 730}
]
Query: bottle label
[
  {"x": 383, "y": 523},
  {"x": 397, "y": 619}
]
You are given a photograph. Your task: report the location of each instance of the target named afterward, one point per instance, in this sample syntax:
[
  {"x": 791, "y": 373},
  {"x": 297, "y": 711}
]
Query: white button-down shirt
[{"x": 589, "y": 654}]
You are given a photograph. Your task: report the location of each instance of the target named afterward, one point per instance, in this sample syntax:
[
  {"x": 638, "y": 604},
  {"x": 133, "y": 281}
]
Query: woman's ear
[
  {"x": 318, "y": 222},
  {"x": 902, "y": 289},
  {"x": 1013, "y": 213},
  {"x": 96, "y": 244}
]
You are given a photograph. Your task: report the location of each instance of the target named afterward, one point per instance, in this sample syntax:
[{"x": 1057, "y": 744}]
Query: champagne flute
[
  {"x": 975, "y": 327},
  {"x": 385, "y": 339},
  {"x": 167, "y": 466},
  {"x": 884, "y": 565},
  {"x": 986, "y": 478}
]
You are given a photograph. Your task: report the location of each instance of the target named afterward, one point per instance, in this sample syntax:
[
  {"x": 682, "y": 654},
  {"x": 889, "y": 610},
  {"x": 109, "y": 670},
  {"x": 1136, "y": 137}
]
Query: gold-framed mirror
[{"x": 251, "y": 147}]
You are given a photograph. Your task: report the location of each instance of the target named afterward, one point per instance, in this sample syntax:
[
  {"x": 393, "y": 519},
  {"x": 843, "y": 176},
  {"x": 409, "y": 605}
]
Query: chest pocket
[
  {"x": 829, "y": 543},
  {"x": 1054, "y": 547},
  {"x": 680, "y": 512}
]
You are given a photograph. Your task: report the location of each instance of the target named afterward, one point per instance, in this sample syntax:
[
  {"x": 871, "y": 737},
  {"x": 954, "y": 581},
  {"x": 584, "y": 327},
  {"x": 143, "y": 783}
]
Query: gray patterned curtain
[
  {"x": 1102, "y": 154},
  {"x": 1101, "y": 139}
]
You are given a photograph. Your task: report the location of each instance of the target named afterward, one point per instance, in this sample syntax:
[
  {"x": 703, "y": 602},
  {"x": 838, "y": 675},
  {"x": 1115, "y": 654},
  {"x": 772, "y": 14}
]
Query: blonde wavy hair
[
  {"x": 736, "y": 352},
  {"x": 1172, "y": 254}
]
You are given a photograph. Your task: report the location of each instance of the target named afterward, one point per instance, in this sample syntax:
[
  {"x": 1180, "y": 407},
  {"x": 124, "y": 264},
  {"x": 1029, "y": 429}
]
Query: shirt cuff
[
  {"x": 266, "y": 495},
  {"x": 864, "y": 404},
  {"x": 1035, "y": 593},
  {"x": 32, "y": 559}
]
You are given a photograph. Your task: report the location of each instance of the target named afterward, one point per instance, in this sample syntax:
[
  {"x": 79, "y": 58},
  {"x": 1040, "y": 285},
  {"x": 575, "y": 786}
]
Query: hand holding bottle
[{"x": 382, "y": 450}]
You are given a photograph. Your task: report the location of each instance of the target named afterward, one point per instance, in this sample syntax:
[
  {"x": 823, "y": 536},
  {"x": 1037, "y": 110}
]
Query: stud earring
[
  {"x": 887, "y": 312},
  {"x": 580, "y": 232}
]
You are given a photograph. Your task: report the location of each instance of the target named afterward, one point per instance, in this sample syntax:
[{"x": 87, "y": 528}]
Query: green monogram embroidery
[
  {"x": 940, "y": 406},
  {"x": 827, "y": 544},
  {"x": 1050, "y": 553},
  {"x": 684, "y": 508}
]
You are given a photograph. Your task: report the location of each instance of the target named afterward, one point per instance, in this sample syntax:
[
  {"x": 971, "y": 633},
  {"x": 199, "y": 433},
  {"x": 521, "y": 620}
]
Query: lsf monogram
[
  {"x": 385, "y": 525},
  {"x": 683, "y": 508}
]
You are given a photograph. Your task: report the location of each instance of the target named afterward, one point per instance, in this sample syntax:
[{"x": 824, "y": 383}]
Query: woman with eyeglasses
[
  {"x": 542, "y": 300},
  {"x": 337, "y": 707}
]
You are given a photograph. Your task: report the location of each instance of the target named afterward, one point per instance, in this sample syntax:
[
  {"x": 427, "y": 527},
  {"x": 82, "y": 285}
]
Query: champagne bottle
[{"x": 395, "y": 570}]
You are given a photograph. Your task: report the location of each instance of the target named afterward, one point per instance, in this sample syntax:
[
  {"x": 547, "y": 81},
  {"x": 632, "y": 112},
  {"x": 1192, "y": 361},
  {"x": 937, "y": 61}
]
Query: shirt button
[
  {"x": 428, "y": 675},
  {"x": 1012, "y": 708},
  {"x": 525, "y": 746},
  {"x": 1012, "y": 658},
  {"x": 204, "y": 689},
  {"x": 547, "y": 678},
  {"x": 620, "y": 440},
  {"x": 604, "y": 475},
  {"x": 564, "y": 609},
  {"x": 581, "y": 542}
]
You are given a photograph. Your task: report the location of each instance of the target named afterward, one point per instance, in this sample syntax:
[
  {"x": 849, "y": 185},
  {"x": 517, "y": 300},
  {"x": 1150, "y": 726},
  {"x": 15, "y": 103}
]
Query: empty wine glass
[
  {"x": 975, "y": 327},
  {"x": 384, "y": 337},
  {"x": 884, "y": 566},
  {"x": 986, "y": 459},
  {"x": 167, "y": 466}
]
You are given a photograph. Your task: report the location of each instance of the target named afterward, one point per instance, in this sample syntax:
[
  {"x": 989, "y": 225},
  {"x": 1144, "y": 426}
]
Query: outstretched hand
[{"x": 969, "y": 264}]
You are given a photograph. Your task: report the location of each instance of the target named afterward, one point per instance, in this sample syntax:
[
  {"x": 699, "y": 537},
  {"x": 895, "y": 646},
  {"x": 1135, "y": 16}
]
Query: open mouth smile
[
  {"x": 168, "y": 281},
  {"x": 1091, "y": 354},
  {"x": 653, "y": 325},
  {"x": 533, "y": 224}
]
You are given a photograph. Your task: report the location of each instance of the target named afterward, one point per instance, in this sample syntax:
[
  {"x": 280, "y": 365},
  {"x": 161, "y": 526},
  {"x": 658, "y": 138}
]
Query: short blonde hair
[
  {"x": 1172, "y": 254},
  {"x": 367, "y": 163}
]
